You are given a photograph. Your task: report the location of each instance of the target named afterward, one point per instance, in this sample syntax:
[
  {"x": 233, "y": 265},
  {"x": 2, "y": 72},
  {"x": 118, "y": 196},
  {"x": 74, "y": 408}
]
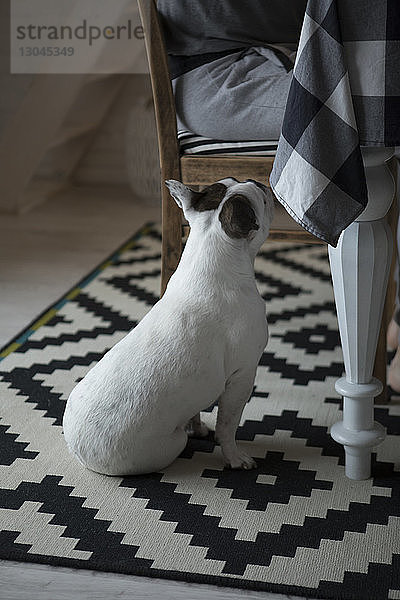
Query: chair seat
[{"x": 190, "y": 143}]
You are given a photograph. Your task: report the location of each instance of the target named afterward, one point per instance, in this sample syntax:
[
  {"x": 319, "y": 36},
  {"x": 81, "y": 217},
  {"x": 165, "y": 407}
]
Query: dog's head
[{"x": 239, "y": 210}]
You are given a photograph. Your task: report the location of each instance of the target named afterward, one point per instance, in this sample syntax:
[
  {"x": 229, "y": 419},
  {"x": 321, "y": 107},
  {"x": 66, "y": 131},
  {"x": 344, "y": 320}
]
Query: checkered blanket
[{"x": 345, "y": 93}]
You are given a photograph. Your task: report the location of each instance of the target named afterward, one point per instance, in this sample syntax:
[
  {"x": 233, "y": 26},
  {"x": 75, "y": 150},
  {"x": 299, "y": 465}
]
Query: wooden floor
[
  {"x": 47, "y": 250},
  {"x": 23, "y": 581},
  {"x": 42, "y": 254}
]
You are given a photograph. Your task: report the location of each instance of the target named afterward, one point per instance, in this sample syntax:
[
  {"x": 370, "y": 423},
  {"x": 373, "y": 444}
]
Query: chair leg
[{"x": 171, "y": 237}]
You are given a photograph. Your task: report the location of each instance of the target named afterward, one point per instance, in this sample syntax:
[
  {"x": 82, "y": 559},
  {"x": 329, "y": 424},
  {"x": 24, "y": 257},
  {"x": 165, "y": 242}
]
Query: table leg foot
[
  {"x": 358, "y": 463},
  {"x": 358, "y": 432}
]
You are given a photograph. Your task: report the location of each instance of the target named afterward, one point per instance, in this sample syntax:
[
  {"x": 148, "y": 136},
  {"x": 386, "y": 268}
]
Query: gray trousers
[{"x": 241, "y": 96}]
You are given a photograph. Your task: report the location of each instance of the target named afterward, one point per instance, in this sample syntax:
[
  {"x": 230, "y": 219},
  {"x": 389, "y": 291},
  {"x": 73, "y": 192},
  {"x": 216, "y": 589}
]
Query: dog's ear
[
  {"x": 180, "y": 193},
  {"x": 187, "y": 199},
  {"x": 237, "y": 217}
]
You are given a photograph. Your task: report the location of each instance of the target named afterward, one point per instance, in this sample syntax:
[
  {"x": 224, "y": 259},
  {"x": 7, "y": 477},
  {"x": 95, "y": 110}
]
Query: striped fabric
[{"x": 190, "y": 143}]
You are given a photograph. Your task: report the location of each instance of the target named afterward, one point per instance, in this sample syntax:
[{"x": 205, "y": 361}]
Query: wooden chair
[{"x": 203, "y": 170}]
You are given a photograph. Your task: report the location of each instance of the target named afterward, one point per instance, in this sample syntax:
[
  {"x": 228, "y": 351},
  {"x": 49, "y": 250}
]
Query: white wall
[{"x": 124, "y": 150}]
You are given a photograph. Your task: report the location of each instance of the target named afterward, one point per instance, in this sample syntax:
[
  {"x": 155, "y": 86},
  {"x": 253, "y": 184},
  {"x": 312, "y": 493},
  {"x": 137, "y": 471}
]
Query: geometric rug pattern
[{"x": 294, "y": 525}]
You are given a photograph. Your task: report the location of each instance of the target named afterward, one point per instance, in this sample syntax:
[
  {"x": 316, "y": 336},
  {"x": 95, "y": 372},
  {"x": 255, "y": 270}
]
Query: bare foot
[
  {"x": 394, "y": 372},
  {"x": 392, "y": 336}
]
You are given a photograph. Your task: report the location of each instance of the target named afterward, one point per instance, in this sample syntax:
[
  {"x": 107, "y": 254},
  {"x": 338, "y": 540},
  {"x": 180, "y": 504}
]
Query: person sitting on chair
[{"x": 231, "y": 64}]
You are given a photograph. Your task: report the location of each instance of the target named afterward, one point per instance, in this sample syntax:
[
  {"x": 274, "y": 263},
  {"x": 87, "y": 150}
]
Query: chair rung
[{"x": 205, "y": 170}]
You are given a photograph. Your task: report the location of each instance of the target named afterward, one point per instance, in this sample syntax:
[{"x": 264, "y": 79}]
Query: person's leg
[
  {"x": 393, "y": 333},
  {"x": 241, "y": 96}
]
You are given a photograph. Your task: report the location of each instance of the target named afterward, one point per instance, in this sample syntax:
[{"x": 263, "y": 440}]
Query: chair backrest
[{"x": 164, "y": 104}]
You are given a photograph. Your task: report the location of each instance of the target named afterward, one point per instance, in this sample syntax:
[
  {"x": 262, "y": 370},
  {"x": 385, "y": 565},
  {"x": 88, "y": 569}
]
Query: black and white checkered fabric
[
  {"x": 191, "y": 143},
  {"x": 345, "y": 93}
]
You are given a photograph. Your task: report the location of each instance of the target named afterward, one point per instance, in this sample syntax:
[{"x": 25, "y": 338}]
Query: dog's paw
[
  {"x": 241, "y": 461},
  {"x": 195, "y": 428}
]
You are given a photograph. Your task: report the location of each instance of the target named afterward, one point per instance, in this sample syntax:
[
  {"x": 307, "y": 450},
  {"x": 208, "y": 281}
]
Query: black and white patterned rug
[{"x": 294, "y": 525}]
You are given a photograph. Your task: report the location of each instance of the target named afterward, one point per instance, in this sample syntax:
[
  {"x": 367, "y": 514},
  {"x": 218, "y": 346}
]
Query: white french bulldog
[{"x": 200, "y": 343}]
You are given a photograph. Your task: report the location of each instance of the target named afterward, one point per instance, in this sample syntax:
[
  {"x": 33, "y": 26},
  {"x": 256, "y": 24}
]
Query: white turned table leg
[{"x": 360, "y": 268}]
